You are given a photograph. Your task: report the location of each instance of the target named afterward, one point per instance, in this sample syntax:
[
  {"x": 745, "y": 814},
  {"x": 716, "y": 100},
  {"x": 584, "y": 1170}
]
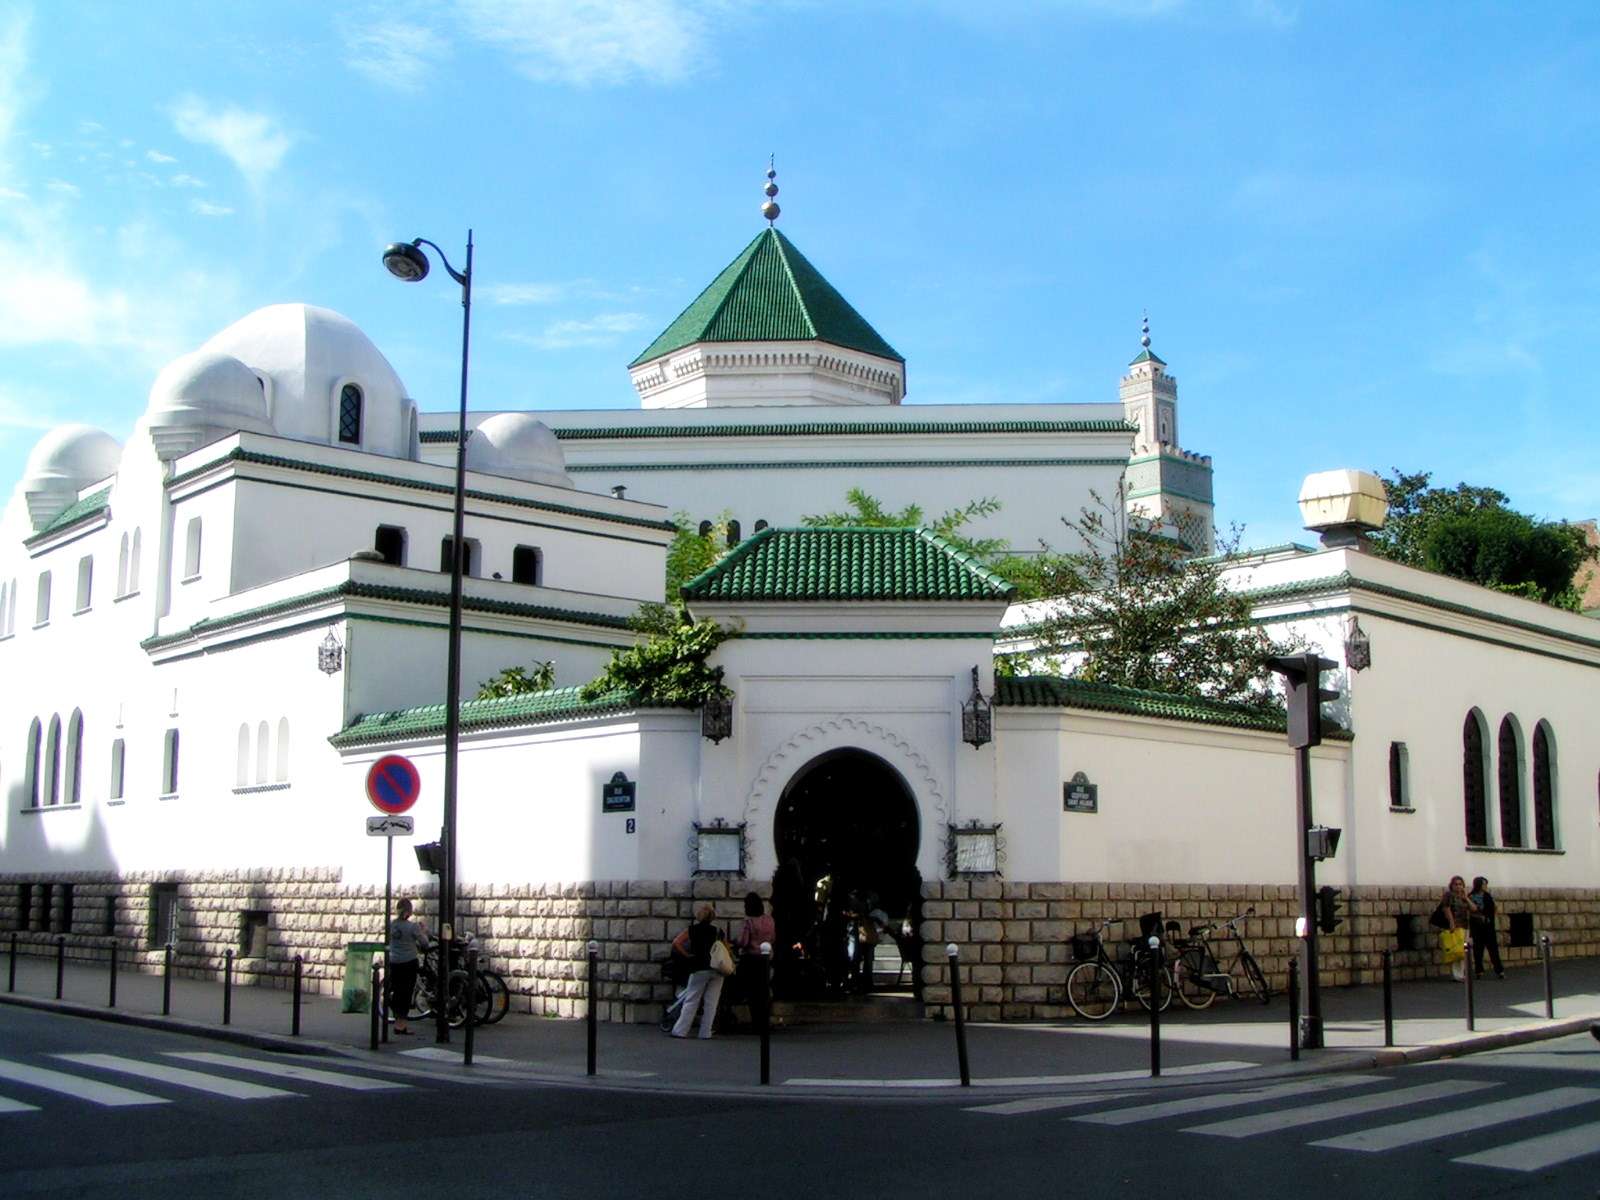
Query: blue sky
[{"x": 1364, "y": 232}]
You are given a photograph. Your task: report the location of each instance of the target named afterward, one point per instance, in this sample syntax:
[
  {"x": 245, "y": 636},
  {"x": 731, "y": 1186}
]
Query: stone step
[{"x": 848, "y": 1010}]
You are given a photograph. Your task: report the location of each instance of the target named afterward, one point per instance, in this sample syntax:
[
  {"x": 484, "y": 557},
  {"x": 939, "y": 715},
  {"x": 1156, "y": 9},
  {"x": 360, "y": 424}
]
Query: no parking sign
[{"x": 393, "y": 784}]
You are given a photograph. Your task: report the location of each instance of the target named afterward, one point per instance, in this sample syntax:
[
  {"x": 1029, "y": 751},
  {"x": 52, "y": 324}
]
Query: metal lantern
[
  {"x": 1357, "y": 647},
  {"x": 977, "y": 717},
  {"x": 330, "y": 654},
  {"x": 716, "y": 718}
]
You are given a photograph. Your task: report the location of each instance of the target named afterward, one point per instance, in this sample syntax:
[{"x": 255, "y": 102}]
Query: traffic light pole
[{"x": 1311, "y": 1023}]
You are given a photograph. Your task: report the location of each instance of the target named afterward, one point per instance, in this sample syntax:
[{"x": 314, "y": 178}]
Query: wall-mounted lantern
[
  {"x": 977, "y": 717},
  {"x": 330, "y": 654},
  {"x": 716, "y": 718},
  {"x": 1357, "y": 647}
]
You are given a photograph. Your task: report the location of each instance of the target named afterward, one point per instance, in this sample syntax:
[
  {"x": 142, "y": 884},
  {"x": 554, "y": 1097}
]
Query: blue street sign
[{"x": 393, "y": 784}]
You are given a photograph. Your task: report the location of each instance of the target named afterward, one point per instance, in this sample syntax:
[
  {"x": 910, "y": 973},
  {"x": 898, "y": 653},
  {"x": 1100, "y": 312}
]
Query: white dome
[
  {"x": 64, "y": 462},
  {"x": 201, "y": 397},
  {"x": 309, "y": 356},
  {"x": 518, "y": 445}
]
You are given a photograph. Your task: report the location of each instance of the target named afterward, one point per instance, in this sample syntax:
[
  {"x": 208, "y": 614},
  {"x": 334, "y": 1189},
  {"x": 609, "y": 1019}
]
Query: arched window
[
  {"x": 527, "y": 565},
  {"x": 41, "y": 610},
  {"x": 169, "y": 764},
  {"x": 761, "y": 524},
  {"x": 1399, "y": 775},
  {"x": 85, "y": 583},
  {"x": 1510, "y": 778},
  {"x": 1544, "y": 786},
  {"x": 263, "y": 750},
  {"x": 122, "y": 566},
  {"x": 390, "y": 541},
  {"x": 350, "y": 414},
  {"x": 705, "y": 528},
  {"x": 281, "y": 775},
  {"x": 30, "y": 764},
  {"x": 74, "y": 788},
  {"x": 191, "y": 550},
  {"x": 241, "y": 771},
  {"x": 733, "y": 534},
  {"x": 118, "y": 762},
  {"x": 1474, "y": 779},
  {"x": 133, "y": 564},
  {"x": 52, "y": 762},
  {"x": 5, "y": 604}
]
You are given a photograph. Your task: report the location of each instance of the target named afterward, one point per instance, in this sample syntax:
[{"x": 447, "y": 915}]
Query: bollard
[
  {"x": 1155, "y": 1005},
  {"x": 111, "y": 1000},
  {"x": 471, "y": 1001},
  {"x": 1549, "y": 979},
  {"x": 1388, "y": 997},
  {"x": 375, "y": 1010},
  {"x": 961, "y": 1022},
  {"x": 591, "y": 1019},
  {"x": 1294, "y": 1009},
  {"x": 227, "y": 986},
  {"x": 61, "y": 963},
  {"x": 765, "y": 985},
  {"x": 166, "y": 982},
  {"x": 299, "y": 971},
  {"x": 11, "y": 972},
  {"x": 1466, "y": 975}
]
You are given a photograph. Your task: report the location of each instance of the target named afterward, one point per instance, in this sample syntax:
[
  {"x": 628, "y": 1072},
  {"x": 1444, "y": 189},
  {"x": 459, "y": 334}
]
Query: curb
[
  {"x": 281, "y": 1043},
  {"x": 1455, "y": 1047}
]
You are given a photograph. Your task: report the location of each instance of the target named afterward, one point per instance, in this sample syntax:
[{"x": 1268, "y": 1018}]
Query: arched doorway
[{"x": 846, "y": 833}]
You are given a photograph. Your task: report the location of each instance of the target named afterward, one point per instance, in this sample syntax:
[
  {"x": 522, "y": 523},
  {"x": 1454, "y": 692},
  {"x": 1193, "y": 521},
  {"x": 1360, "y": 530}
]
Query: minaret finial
[
  {"x": 769, "y": 206},
  {"x": 1144, "y": 331}
]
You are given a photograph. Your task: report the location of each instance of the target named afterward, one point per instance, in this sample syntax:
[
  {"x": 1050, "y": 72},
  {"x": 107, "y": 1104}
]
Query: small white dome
[
  {"x": 201, "y": 397},
  {"x": 64, "y": 462},
  {"x": 520, "y": 446}
]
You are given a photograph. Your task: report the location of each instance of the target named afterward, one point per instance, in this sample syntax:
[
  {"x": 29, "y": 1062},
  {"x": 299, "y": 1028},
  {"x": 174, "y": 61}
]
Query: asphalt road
[{"x": 90, "y": 1109}]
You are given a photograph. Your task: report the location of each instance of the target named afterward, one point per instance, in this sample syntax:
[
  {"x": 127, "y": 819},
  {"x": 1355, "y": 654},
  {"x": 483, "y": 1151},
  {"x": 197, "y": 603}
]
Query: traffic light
[
  {"x": 430, "y": 857},
  {"x": 1302, "y": 678},
  {"x": 1328, "y": 918}
]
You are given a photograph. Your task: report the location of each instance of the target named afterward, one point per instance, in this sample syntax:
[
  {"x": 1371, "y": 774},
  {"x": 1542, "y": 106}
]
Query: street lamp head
[{"x": 406, "y": 262}]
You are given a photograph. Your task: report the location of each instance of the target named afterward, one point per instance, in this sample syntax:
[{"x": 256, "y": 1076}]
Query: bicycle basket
[
  {"x": 1084, "y": 947},
  {"x": 1149, "y": 923}
]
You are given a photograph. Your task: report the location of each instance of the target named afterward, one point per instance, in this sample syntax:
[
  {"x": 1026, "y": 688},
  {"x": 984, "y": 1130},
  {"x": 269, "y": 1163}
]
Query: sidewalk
[{"x": 1231, "y": 1041}]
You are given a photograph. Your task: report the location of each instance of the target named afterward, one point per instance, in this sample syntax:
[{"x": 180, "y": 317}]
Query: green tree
[
  {"x": 868, "y": 511},
  {"x": 514, "y": 681},
  {"x": 668, "y": 667},
  {"x": 691, "y": 551}
]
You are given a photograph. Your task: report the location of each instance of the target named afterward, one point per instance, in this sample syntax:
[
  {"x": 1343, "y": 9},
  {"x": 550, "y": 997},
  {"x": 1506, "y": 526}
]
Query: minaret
[
  {"x": 1165, "y": 483},
  {"x": 1150, "y": 397}
]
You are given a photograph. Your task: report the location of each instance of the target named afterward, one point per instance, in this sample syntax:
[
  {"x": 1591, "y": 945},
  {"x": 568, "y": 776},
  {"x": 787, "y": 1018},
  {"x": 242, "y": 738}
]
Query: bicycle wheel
[
  {"x": 457, "y": 989},
  {"x": 1187, "y": 979},
  {"x": 1255, "y": 982},
  {"x": 499, "y": 996},
  {"x": 420, "y": 1007},
  {"x": 1093, "y": 991},
  {"x": 1141, "y": 983}
]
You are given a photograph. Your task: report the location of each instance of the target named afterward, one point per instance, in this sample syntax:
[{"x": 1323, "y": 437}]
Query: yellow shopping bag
[{"x": 1454, "y": 944}]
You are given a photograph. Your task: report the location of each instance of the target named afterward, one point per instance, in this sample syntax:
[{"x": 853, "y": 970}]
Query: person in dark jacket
[
  {"x": 1482, "y": 928},
  {"x": 705, "y": 984}
]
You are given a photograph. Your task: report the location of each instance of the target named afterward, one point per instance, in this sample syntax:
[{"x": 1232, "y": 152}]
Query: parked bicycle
[
  {"x": 1200, "y": 978},
  {"x": 1098, "y": 984},
  {"x": 491, "y": 997}
]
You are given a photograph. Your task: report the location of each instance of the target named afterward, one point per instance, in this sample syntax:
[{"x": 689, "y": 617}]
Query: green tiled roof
[
  {"x": 586, "y": 433},
  {"x": 73, "y": 513},
  {"x": 770, "y": 293},
  {"x": 1049, "y": 691},
  {"x": 530, "y": 708},
  {"x": 847, "y": 563},
  {"x": 1147, "y": 356}
]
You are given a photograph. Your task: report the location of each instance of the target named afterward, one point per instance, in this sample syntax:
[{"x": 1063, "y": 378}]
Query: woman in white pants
[{"x": 705, "y": 984}]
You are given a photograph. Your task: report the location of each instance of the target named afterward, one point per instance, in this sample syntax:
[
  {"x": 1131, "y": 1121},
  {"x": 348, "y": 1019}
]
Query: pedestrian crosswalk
[
  {"x": 1364, "y": 1114},
  {"x": 125, "y": 1081}
]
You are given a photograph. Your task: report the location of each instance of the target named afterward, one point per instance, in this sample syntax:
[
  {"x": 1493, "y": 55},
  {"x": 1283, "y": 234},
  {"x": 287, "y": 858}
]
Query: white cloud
[
  {"x": 602, "y": 330},
  {"x": 205, "y": 208},
  {"x": 594, "y": 41},
  {"x": 252, "y": 141},
  {"x": 156, "y": 156},
  {"x": 62, "y": 188},
  {"x": 393, "y": 53},
  {"x": 182, "y": 180},
  {"x": 523, "y": 293},
  {"x": 7, "y": 193}
]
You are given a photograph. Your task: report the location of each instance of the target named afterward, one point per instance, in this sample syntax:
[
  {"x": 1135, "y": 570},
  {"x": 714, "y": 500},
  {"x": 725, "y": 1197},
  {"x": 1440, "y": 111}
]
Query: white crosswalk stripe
[
  {"x": 1537, "y": 1153},
  {"x": 1331, "y": 1110},
  {"x": 8, "y": 1105},
  {"x": 1013, "y": 1108},
  {"x": 1482, "y": 1116},
  {"x": 338, "y": 1079},
  {"x": 107, "y": 1095},
  {"x": 1199, "y": 1104},
  {"x": 216, "y": 1085}
]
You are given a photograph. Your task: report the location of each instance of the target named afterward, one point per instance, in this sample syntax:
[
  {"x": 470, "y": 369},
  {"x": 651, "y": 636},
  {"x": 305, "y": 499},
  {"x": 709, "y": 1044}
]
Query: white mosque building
[{"x": 212, "y": 631}]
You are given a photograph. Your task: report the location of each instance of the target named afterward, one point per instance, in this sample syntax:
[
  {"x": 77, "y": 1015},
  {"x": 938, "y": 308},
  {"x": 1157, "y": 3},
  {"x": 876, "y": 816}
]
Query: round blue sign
[{"x": 393, "y": 784}]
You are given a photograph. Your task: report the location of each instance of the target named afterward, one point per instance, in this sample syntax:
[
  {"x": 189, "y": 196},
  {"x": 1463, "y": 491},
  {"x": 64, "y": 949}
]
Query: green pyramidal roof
[
  {"x": 770, "y": 293},
  {"x": 847, "y": 563}
]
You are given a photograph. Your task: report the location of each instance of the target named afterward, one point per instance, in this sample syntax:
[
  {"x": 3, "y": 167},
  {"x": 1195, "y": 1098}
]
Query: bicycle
[
  {"x": 1097, "y": 985},
  {"x": 1200, "y": 978}
]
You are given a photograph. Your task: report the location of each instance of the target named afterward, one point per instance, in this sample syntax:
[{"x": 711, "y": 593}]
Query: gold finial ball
[
  {"x": 770, "y": 210},
  {"x": 771, "y": 190}
]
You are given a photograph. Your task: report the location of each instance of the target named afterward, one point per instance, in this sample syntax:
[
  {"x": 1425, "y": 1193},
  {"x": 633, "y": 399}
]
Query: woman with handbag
[
  {"x": 1483, "y": 932},
  {"x": 1456, "y": 910},
  {"x": 705, "y": 980}
]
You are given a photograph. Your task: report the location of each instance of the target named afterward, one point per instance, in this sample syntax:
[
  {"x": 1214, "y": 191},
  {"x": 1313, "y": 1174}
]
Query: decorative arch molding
[{"x": 847, "y": 733}]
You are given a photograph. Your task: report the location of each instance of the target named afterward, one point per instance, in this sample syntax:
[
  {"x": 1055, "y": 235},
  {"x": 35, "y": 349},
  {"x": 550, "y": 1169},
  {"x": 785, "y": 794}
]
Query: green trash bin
[{"x": 357, "y": 995}]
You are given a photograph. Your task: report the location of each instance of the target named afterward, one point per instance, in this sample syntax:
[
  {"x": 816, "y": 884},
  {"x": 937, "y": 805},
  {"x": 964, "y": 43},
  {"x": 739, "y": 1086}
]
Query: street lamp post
[{"x": 407, "y": 262}]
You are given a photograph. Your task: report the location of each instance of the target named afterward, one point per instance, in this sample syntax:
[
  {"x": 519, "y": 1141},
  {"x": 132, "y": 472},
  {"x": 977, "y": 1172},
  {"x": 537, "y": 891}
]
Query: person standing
[
  {"x": 408, "y": 940},
  {"x": 1457, "y": 910},
  {"x": 757, "y": 928},
  {"x": 705, "y": 983},
  {"x": 1483, "y": 931}
]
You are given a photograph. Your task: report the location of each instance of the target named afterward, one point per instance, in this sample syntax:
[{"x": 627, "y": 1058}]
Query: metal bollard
[
  {"x": 591, "y": 1017},
  {"x": 1294, "y": 1010},
  {"x": 961, "y": 1021},
  {"x": 1467, "y": 975},
  {"x": 166, "y": 982},
  {"x": 111, "y": 1000},
  {"x": 299, "y": 971},
  {"x": 375, "y": 1010},
  {"x": 471, "y": 1001},
  {"x": 766, "y": 1012},
  {"x": 227, "y": 986},
  {"x": 1549, "y": 979},
  {"x": 1155, "y": 1006},
  {"x": 11, "y": 973},
  {"x": 61, "y": 963},
  {"x": 1388, "y": 997}
]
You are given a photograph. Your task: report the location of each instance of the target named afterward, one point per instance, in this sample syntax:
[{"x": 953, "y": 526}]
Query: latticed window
[
  {"x": 1472, "y": 781},
  {"x": 1544, "y": 791},
  {"x": 1510, "y": 783},
  {"x": 350, "y": 414}
]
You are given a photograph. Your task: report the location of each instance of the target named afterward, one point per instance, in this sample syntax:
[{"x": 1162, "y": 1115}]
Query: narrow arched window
[
  {"x": 281, "y": 775},
  {"x": 263, "y": 751},
  {"x": 191, "y": 550},
  {"x": 733, "y": 534},
  {"x": 133, "y": 564},
  {"x": 1510, "y": 779},
  {"x": 1474, "y": 777},
  {"x": 1399, "y": 775},
  {"x": 1544, "y": 787},
  {"x": 41, "y": 610},
  {"x": 350, "y": 414},
  {"x": 85, "y": 596},
  {"x": 241, "y": 771},
  {"x": 122, "y": 566},
  {"x": 169, "y": 764},
  {"x": 74, "y": 761},
  {"x": 760, "y": 525},
  {"x": 118, "y": 762},
  {"x": 30, "y": 764},
  {"x": 705, "y": 528},
  {"x": 52, "y": 762}
]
